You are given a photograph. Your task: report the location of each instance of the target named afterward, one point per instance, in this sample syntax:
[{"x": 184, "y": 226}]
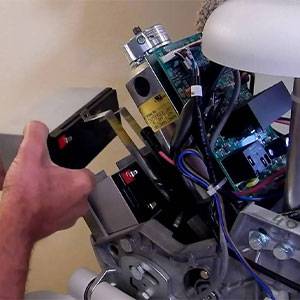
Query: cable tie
[
  {"x": 196, "y": 90},
  {"x": 212, "y": 190}
]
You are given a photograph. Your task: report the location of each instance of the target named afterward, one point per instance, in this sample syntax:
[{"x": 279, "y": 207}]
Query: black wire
[
  {"x": 200, "y": 136},
  {"x": 218, "y": 106},
  {"x": 232, "y": 103},
  {"x": 191, "y": 118},
  {"x": 183, "y": 128},
  {"x": 200, "y": 132}
]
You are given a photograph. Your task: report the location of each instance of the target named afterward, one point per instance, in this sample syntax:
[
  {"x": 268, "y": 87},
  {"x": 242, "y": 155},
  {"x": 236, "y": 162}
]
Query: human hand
[
  {"x": 2, "y": 174},
  {"x": 44, "y": 197}
]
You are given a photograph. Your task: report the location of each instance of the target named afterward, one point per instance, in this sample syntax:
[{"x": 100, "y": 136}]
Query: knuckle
[{"x": 86, "y": 181}]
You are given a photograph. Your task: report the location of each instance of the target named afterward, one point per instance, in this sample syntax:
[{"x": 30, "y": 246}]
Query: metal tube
[{"x": 293, "y": 176}]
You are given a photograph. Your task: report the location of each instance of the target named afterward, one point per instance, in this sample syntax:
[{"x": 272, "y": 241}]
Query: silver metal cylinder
[
  {"x": 144, "y": 42},
  {"x": 293, "y": 176}
]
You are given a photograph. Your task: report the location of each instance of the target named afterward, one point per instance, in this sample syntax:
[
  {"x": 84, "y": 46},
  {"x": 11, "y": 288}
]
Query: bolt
[
  {"x": 204, "y": 274},
  {"x": 258, "y": 240},
  {"x": 141, "y": 39},
  {"x": 145, "y": 295},
  {"x": 137, "y": 272},
  {"x": 283, "y": 251}
]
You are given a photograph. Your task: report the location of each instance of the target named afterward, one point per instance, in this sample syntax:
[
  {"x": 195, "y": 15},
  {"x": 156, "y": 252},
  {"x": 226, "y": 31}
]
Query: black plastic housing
[{"x": 74, "y": 143}]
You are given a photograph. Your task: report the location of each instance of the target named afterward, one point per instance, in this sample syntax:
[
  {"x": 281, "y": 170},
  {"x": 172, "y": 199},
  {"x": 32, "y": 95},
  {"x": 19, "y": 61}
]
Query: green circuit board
[
  {"x": 178, "y": 76},
  {"x": 226, "y": 146},
  {"x": 181, "y": 79}
]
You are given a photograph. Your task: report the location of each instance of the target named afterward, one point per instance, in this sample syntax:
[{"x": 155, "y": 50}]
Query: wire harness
[{"x": 218, "y": 203}]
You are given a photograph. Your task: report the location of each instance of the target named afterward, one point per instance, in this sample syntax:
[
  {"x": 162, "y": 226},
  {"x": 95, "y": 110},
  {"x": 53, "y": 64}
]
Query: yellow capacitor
[{"x": 252, "y": 182}]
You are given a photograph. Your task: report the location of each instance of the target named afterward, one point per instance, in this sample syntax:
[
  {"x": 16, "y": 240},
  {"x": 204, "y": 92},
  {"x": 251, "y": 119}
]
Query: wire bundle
[
  {"x": 192, "y": 118},
  {"x": 221, "y": 218}
]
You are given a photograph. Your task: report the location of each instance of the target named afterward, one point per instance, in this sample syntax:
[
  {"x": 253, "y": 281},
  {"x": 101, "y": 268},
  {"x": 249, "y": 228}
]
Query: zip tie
[
  {"x": 196, "y": 90},
  {"x": 212, "y": 190}
]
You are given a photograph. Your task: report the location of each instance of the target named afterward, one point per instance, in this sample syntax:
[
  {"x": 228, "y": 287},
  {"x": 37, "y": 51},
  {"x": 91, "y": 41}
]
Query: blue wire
[
  {"x": 243, "y": 261},
  {"x": 204, "y": 184},
  {"x": 257, "y": 199},
  {"x": 249, "y": 199}
]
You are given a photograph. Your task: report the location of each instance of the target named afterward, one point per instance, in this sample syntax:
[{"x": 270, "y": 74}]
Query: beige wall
[{"x": 50, "y": 44}]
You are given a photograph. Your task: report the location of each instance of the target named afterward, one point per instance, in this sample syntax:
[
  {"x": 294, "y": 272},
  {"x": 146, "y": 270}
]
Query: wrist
[
  {"x": 16, "y": 244},
  {"x": 17, "y": 220}
]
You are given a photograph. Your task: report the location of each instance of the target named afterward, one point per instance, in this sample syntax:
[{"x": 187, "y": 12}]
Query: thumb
[{"x": 34, "y": 144}]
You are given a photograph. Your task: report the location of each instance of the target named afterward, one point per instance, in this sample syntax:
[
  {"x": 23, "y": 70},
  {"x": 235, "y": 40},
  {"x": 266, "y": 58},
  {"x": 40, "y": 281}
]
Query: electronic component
[
  {"x": 151, "y": 99},
  {"x": 161, "y": 81},
  {"x": 74, "y": 143},
  {"x": 273, "y": 145},
  {"x": 147, "y": 91},
  {"x": 170, "y": 62},
  {"x": 132, "y": 198},
  {"x": 247, "y": 163},
  {"x": 250, "y": 123}
]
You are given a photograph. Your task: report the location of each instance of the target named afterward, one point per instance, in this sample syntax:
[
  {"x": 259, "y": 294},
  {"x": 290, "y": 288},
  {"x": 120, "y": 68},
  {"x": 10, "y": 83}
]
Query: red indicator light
[
  {"x": 63, "y": 141},
  {"x": 128, "y": 176}
]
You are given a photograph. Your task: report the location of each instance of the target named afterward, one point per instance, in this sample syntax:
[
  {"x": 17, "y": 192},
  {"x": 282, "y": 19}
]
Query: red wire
[
  {"x": 263, "y": 184},
  {"x": 166, "y": 158},
  {"x": 283, "y": 122}
]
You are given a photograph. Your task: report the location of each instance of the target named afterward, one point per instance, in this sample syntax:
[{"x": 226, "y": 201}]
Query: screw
[
  {"x": 141, "y": 39},
  {"x": 137, "y": 272},
  {"x": 204, "y": 274},
  {"x": 258, "y": 240},
  {"x": 283, "y": 251}
]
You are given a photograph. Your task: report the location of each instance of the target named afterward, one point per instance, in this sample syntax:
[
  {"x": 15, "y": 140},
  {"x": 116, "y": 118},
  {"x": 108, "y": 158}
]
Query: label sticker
[{"x": 158, "y": 111}]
